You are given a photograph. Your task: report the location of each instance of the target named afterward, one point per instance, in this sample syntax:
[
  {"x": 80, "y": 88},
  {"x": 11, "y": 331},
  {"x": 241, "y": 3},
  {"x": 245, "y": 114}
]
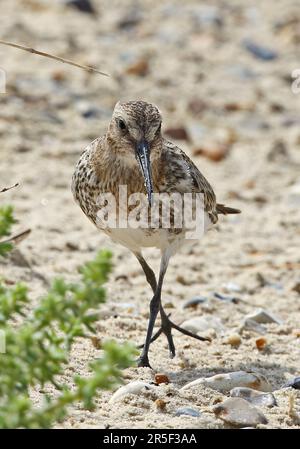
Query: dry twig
[
  {"x": 56, "y": 58},
  {"x": 18, "y": 238},
  {"x": 8, "y": 188}
]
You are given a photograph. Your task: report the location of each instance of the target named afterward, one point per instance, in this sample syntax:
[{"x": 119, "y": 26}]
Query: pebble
[
  {"x": 207, "y": 15},
  {"x": 203, "y": 323},
  {"x": 296, "y": 288},
  {"x": 179, "y": 133},
  {"x": 228, "y": 381},
  {"x": 263, "y": 316},
  {"x": 226, "y": 298},
  {"x": 161, "y": 379},
  {"x": 294, "y": 194},
  {"x": 138, "y": 68},
  {"x": 215, "y": 152},
  {"x": 160, "y": 404},
  {"x": 238, "y": 412},
  {"x": 253, "y": 325},
  {"x": 131, "y": 19},
  {"x": 233, "y": 340},
  {"x": 82, "y": 5},
  {"x": 294, "y": 383},
  {"x": 261, "y": 343},
  {"x": 232, "y": 287},
  {"x": 254, "y": 397},
  {"x": 263, "y": 53},
  {"x": 132, "y": 388},
  {"x": 194, "y": 302},
  {"x": 278, "y": 152},
  {"x": 188, "y": 411}
]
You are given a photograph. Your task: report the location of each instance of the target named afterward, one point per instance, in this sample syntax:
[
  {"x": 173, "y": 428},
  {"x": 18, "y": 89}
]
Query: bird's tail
[{"x": 222, "y": 209}]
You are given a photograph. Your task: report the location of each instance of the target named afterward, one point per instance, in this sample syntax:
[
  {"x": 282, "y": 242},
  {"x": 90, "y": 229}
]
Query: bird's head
[{"x": 134, "y": 134}]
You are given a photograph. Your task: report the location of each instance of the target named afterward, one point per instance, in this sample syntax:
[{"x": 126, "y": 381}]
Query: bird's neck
[{"x": 112, "y": 166}]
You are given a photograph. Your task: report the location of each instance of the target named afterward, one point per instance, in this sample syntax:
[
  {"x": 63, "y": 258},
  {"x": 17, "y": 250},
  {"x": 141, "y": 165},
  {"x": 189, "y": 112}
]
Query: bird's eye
[{"x": 122, "y": 124}]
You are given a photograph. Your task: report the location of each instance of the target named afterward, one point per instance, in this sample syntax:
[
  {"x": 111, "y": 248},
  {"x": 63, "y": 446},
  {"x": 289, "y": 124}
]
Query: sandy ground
[{"x": 188, "y": 58}]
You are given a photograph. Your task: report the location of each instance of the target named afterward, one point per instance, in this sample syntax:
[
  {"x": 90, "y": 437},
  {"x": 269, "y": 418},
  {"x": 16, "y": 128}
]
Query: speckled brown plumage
[{"x": 111, "y": 161}]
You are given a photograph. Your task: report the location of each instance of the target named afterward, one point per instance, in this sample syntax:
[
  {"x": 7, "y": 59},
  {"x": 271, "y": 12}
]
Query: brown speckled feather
[{"x": 109, "y": 162}]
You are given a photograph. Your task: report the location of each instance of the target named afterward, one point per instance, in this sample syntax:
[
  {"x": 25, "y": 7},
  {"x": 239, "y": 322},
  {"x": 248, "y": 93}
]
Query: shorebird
[{"x": 134, "y": 154}]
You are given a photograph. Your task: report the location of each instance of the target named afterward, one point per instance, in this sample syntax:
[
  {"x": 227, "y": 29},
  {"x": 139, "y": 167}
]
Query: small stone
[
  {"x": 263, "y": 53},
  {"x": 131, "y": 19},
  {"x": 278, "y": 152},
  {"x": 294, "y": 383},
  {"x": 82, "y": 5},
  {"x": 96, "y": 342},
  {"x": 59, "y": 76},
  {"x": 179, "y": 133},
  {"x": 234, "y": 340},
  {"x": 228, "y": 381},
  {"x": 215, "y": 153},
  {"x": 132, "y": 388},
  {"x": 188, "y": 411},
  {"x": 294, "y": 194},
  {"x": 238, "y": 412},
  {"x": 169, "y": 305},
  {"x": 227, "y": 298},
  {"x": 138, "y": 68},
  {"x": 263, "y": 316},
  {"x": 296, "y": 288},
  {"x": 253, "y": 325},
  {"x": 160, "y": 404},
  {"x": 260, "y": 343},
  {"x": 232, "y": 287},
  {"x": 194, "y": 302},
  {"x": 204, "y": 323},
  {"x": 197, "y": 106},
  {"x": 254, "y": 397},
  {"x": 161, "y": 379},
  {"x": 207, "y": 15}
]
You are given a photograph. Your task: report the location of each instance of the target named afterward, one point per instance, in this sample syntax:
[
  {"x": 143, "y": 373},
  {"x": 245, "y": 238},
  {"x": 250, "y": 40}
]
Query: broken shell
[
  {"x": 204, "y": 323},
  {"x": 238, "y": 412},
  {"x": 131, "y": 388},
  {"x": 228, "y": 381},
  {"x": 263, "y": 316},
  {"x": 254, "y": 397},
  {"x": 187, "y": 411}
]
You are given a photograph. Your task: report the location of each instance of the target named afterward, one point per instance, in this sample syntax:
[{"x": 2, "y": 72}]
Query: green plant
[
  {"x": 6, "y": 222},
  {"x": 37, "y": 348}
]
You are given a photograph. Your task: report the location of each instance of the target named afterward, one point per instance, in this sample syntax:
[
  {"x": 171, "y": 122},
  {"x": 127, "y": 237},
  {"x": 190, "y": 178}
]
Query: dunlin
[{"x": 134, "y": 154}]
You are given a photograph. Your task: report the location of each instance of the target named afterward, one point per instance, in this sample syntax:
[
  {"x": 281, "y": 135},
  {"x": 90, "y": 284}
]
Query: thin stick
[
  {"x": 18, "y": 238},
  {"x": 8, "y": 188},
  {"x": 57, "y": 58}
]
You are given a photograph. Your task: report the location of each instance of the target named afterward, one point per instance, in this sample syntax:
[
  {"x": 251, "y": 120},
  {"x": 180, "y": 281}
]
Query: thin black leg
[
  {"x": 149, "y": 273},
  {"x": 166, "y": 324},
  {"x": 154, "y": 308}
]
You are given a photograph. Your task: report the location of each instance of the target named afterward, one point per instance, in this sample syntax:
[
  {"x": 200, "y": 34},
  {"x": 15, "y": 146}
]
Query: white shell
[
  {"x": 263, "y": 316},
  {"x": 228, "y": 381},
  {"x": 203, "y": 323},
  {"x": 131, "y": 388}
]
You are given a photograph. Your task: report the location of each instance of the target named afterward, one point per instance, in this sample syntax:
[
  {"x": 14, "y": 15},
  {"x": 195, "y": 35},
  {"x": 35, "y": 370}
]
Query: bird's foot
[
  {"x": 166, "y": 328},
  {"x": 143, "y": 362}
]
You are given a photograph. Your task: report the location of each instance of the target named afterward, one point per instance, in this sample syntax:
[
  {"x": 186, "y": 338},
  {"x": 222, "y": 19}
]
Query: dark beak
[{"x": 143, "y": 156}]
